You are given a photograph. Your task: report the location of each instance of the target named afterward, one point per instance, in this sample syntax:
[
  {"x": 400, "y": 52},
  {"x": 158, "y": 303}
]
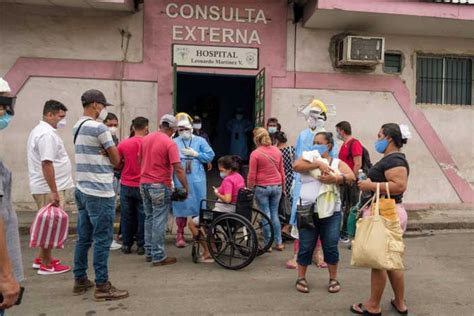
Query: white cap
[{"x": 4, "y": 86}]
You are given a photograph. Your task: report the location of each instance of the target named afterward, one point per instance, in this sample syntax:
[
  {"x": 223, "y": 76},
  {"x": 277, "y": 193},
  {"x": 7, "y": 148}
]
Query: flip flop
[
  {"x": 405, "y": 312},
  {"x": 299, "y": 282},
  {"x": 363, "y": 311},
  {"x": 206, "y": 260},
  {"x": 332, "y": 284}
]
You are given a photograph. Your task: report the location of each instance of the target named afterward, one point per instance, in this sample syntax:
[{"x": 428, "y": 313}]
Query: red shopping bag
[{"x": 50, "y": 228}]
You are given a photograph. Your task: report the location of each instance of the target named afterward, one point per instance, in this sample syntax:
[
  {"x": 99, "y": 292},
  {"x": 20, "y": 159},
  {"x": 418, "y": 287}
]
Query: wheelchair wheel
[
  {"x": 232, "y": 241},
  {"x": 261, "y": 222}
]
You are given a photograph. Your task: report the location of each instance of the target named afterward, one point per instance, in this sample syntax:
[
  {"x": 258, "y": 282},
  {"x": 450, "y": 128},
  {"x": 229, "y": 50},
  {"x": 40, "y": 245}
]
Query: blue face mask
[
  {"x": 222, "y": 174},
  {"x": 4, "y": 120},
  {"x": 381, "y": 145},
  {"x": 272, "y": 129},
  {"x": 321, "y": 148}
]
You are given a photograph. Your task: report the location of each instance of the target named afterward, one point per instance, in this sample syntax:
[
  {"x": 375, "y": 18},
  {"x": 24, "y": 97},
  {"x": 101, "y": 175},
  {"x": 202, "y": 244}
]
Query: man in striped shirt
[{"x": 96, "y": 157}]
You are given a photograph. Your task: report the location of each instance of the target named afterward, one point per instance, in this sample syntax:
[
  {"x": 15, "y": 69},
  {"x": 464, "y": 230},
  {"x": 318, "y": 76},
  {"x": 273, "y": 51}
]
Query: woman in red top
[{"x": 267, "y": 176}]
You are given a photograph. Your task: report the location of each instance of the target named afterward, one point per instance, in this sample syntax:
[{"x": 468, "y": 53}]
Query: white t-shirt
[{"x": 44, "y": 144}]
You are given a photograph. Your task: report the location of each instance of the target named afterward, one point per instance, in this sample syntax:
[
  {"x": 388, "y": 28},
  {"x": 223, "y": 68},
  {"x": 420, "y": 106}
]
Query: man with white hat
[
  {"x": 11, "y": 269},
  {"x": 194, "y": 152},
  {"x": 159, "y": 157}
]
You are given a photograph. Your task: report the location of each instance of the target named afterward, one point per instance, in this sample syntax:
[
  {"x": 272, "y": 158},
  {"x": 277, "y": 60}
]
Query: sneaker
[
  {"x": 167, "y": 261},
  {"x": 108, "y": 292},
  {"x": 115, "y": 245},
  {"x": 344, "y": 240},
  {"x": 126, "y": 250},
  {"x": 37, "y": 262},
  {"x": 81, "y": 286},
  {"x": 180, "y": 242},
  {"x": 140, "y": 251},
  {"x": 53, "y": 269}
]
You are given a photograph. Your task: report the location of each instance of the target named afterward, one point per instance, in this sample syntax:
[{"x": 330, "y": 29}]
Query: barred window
[
  {"x": 392, "y": 63},
  {"x": 444, "y": 80}
]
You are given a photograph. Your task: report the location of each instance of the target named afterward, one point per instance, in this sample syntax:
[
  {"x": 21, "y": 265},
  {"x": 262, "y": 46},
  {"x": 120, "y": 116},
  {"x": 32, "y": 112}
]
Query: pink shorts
[{"x": 402, "y": 215}]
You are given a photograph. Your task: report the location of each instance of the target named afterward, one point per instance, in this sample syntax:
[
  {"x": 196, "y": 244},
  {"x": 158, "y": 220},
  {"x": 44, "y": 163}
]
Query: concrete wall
[
  {"x": 139, "y": 99},
  {"x": 367, "y": 111},
  {"x": 43, "y": 31}
]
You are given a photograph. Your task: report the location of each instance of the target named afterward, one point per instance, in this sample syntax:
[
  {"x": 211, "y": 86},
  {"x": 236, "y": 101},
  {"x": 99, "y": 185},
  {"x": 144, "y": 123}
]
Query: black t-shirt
[{"x": 377, "y": 172}]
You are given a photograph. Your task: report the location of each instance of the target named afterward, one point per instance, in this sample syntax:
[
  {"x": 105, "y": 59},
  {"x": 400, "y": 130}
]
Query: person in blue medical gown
[
  {"x": 238, "y": 128},
  {"x": 194, "y": 152}
]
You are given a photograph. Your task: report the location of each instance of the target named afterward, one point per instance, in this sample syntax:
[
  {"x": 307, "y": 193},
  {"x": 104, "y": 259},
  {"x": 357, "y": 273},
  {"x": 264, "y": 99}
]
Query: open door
[
  {"x": 260, "y": 98},
  {"x": 175, "y": 89}
]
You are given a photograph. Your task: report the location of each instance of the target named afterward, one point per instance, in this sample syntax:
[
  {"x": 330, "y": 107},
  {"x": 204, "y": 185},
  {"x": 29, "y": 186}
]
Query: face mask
[
  {"x": 381, "y": 145},
  {"x": 204, "y": 115},
  {"x": 62, "y": 123},
  {"x": 185, "y": 134},
  {"x": 321, "y": 148},
  {"x": 222, "y": 174},
  {"x": 197, "y": 126},
  {"x": 103, "y": 115},
  {"x": 272, "y": 129},
  {"x": 338, "y": 136},
  {"x": 319, "y": 124},
  {"x": 311, "y": 123},
  {"x": 239, "y": 116},
  {"x": 113, "y": 130},
  {"x": 5, "y": 120}
]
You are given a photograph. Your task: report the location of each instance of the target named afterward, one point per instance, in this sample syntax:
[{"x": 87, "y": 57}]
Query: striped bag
[{"x": 50, "y": 228}]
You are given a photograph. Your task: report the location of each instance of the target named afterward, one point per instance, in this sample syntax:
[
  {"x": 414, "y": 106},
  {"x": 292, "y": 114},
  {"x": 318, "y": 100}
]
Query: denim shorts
[{"x": 326, "y": 229}]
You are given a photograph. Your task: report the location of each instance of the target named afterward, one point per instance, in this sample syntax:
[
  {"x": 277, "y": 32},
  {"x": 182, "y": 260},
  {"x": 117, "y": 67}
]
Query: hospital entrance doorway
[{"x": 230, "y": 106}]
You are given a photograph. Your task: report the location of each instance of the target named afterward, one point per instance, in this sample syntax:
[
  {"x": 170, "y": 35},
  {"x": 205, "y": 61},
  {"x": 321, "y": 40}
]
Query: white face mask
[
  {"x": 197, "y": 126},
  {"x": 113, "y": 130},
  {"x": 103, "y": 115},
  {"x": 185, "y": 134},
  {"x": 62, "y": 123},
  {"x": 311, "y": 122}
]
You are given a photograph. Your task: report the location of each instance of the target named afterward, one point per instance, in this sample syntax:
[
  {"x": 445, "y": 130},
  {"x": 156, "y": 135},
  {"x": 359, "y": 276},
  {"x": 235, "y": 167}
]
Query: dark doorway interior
[{"x": 215, "y": 99}]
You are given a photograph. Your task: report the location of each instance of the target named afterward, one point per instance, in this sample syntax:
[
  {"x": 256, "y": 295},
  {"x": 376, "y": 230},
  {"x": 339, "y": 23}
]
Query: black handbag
[
  {"x": 284, "y": 209},
  {"x": 305, "y": 216}
]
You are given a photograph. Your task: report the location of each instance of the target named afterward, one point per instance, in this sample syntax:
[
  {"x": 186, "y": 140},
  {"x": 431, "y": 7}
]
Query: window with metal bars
[
  {"x": 392, "y": 63},
  {"x": 444, "y": 80}
]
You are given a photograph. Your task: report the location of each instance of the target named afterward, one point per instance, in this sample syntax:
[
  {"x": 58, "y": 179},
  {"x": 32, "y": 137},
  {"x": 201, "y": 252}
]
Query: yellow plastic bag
[
  {"x": 378, "y": 242},
  {"x": 387, "y": 206}
]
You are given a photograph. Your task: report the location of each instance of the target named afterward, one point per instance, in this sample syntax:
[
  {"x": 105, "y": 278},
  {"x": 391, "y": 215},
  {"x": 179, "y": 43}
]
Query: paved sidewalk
[{"x": 439, "y": 281}]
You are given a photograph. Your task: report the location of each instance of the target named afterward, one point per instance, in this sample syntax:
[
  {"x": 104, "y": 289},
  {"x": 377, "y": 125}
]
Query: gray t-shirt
[{"x": 10, "y": 222}]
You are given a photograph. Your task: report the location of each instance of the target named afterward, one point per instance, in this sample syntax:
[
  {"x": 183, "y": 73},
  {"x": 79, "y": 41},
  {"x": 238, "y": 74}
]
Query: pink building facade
[{"x": 150, "y": 60}]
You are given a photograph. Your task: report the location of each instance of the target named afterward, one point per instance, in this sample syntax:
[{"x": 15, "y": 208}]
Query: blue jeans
[
  {"x": 132, "y": 218},
  {"x": 157, "y": 206},
  {"x": 268, "y": 201},
  {"x": 327, "y": 229},
  {"x": 95, "y": 223}
]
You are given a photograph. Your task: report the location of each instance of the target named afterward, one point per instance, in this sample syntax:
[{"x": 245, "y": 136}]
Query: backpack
[{"x": 366, "y": 163}]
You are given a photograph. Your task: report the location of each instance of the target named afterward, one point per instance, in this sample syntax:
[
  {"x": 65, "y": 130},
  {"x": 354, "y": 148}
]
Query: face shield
[{"x": 7, "y": 104}]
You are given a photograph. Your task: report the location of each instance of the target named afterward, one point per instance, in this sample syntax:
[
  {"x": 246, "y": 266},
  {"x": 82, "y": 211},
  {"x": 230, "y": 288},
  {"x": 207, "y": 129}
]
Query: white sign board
[{"x": 215, "y": 56}]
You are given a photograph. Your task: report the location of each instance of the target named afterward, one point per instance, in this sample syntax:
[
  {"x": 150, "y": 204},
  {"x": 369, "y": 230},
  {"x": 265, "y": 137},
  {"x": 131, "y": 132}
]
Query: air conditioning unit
[{"x": 360, "y": 50}]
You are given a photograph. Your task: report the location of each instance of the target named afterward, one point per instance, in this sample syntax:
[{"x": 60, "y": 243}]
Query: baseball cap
[
  {"x": 169, "y": 119},
  {"x": 93, "y": 95}
]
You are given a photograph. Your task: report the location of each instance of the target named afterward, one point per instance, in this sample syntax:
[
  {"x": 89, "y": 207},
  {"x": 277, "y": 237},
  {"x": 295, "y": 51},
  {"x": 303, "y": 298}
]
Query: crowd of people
[{"x": 154, "y": 174}]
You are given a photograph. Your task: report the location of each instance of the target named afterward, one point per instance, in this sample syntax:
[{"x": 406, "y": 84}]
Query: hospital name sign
[
  {"x": 215, "y": 56},
  {"x": 215, "y": 13}
]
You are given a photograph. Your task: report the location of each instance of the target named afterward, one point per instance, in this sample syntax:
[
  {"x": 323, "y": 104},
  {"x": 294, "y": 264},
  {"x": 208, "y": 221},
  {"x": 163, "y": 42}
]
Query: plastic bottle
[{"x": 361, "y": 176}]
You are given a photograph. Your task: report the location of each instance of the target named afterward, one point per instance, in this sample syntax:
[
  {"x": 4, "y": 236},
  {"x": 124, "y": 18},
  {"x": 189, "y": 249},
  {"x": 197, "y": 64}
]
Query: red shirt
[
  {"x": 231, "y": 185},
  {"x": 158, "y": 154},
  {"x": 266, "y": 167},
  {"x": 356, "y": 150},
  {"x": 129, "y": 150}
]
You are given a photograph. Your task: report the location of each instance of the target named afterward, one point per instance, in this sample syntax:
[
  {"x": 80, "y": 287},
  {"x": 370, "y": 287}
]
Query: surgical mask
[
  {"x": 272, "y": 129},
  {"x": 62, "y": 123},
  {"x": 381, "y": 145},
  {"x": 197, "y": 126},
  {"x": 321, "y": 148},
  {"x": 185, "y": 134},
  {"x": 338, "y": 136},
  {"x": 311, "y": 122},
  {"x": 113, "y": 130},
  {"x": 239, "y": 116},
  {"x": 5, "y": 120},
  {"x": 319, "y": 124},
  {"x": 103, "y": 115},
  {"x": 222, "y": 174},
  {"x": 204, "y": 115}
]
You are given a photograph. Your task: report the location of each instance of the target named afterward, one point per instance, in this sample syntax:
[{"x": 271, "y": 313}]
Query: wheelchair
[{"x": 233, "y": 239}]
